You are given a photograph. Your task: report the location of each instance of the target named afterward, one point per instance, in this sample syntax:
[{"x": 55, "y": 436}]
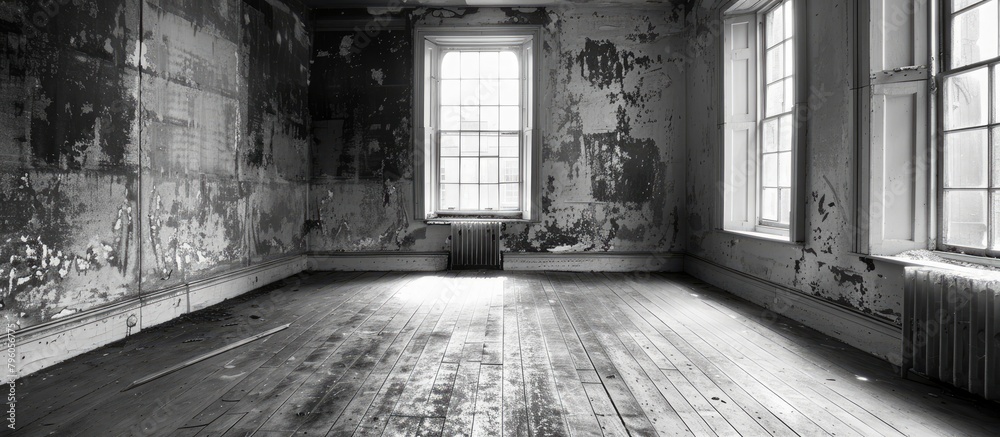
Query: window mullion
[{"x": 991, "y": 117}]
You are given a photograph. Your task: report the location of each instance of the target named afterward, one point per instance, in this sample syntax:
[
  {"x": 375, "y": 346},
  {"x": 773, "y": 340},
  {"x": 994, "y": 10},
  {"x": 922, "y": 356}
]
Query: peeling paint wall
[
  {"x": 824, "y": 266},
  {"x": 613, "y": 131},
  {"x": 111, "y": 176}
]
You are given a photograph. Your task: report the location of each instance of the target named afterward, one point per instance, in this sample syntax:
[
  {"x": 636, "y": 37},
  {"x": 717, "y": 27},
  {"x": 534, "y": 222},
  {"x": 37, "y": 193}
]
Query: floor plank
[{"x": 492, "y": 353}]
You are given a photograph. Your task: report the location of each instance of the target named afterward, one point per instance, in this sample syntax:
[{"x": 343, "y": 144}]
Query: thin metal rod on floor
[{"x": 203, "y": 357}]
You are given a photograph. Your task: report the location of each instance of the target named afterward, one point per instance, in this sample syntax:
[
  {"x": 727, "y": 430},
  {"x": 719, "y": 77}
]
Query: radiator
[
  {"x": 475, "y": 245},
  {"x": 951, "y": 328}
]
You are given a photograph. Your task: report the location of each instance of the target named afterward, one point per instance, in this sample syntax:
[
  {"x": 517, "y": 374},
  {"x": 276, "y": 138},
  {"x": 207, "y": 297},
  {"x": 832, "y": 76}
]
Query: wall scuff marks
[{"x": 612, "y": 152}]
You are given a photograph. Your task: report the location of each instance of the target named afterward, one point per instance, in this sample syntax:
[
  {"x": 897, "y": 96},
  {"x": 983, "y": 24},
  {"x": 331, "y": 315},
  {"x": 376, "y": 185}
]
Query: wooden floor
[{"x": 496, "y": 353}]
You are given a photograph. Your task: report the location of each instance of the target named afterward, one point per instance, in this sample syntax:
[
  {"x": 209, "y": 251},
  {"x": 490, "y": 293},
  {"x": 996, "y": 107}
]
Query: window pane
[
  {"x": 974, "y": 35},
  {"x": 489, "y": 117},
  {"x": 449, "y": 170},
  {"x": 995, "y": 220},
  {"x": 450, "y": 118},
  {"x": 789, "y": 101},
  {"x": 451, "y": 65},
  {"x": 451, "y": 92},
  {"x": 489, "y": 92},
  {"x": 449, "y": 144},
  {"x": 489, "y": 65},
  {"x": 510, "y": 170},
  {"x": 510, "y": 197},
  {"x": 785, "y": 134},
  {"x": 770, "y": 135},
  {"x": 769, "y": 205},
  {"x": 509, "y": 145},
  {"x": 966, "y": 100},
  {"x": 510, "y": 93},
  {"x": 489, "y": 197},
  {"x": 470, "y": 65},
  {"x": 785, "y": 169},
  {"x": 470, "y": 92},
  {"x": 996, "y": 158},
  {"x": 774, "y": 23},
  {"x": 470, "y": 144},
  {"x": 965, "y": 216},
  {"x": 966, "y": 162},
  {"x": 775, "y": 63},
  {"x": 489, "y": 170},
  {"x": 775, "y": 99},
  {"x": 449, "y": 196},
  {"x": 470, "y": 197},
  {"x": 470, "y": 170},
  {"x": 789, "y": 58},
  {"x": 789, "y": 14},
  {"x": 961, "y": 4},
  {"x": 509, "y": 66},
  {"x": 510, "y": 118},
  {"x": 470, "y": 118},
  {"x": 996, "y": 94},
  {"x": 786, "y": 206},
  {"x": 769, "y": 170},
  {"x": 489, "y": 144}
]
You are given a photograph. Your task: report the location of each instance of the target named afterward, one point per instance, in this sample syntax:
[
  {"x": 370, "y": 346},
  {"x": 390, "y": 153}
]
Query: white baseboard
[
  {"x": 862, "y": 331},
  {"x": 595, "y": 262},
  {"x": 379, "y": 261},
  {"x": 53, "y": 342}
]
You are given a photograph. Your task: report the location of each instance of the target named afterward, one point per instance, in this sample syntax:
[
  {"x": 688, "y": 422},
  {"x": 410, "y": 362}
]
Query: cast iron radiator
[
  {"x": 951, "y": 328},
  {"x": 475, "y": 245}
]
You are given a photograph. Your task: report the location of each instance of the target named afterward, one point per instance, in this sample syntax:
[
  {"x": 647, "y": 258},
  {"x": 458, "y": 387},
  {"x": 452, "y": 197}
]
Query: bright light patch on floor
[{"x": 448, "y": 288}]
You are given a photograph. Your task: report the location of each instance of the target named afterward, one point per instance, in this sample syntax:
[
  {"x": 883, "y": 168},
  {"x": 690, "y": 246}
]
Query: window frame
[
  {"x": 992, "y": 125},
  {"x": 431, "y": 44},
  {"x": 775, "y": 231}
]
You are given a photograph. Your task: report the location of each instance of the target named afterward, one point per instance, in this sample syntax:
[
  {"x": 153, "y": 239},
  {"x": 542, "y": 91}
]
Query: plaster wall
[
  {"x": 145, "y": 144},
  {"x": 613, "y": 131}
]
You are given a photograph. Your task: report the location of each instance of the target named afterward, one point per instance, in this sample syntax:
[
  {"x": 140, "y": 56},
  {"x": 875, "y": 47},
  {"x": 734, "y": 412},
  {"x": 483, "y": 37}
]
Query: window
[
  {"x": 476, "y": 156},
  {"x": 970, "y": 128},
  {"x": 762, "y": 146}
]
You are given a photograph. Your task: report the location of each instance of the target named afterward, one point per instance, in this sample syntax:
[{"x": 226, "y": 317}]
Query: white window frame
[
  {"x": 739, "y": 176},
  {"x": 430, "y": 45},
  {"x": 945, "y": 71}
]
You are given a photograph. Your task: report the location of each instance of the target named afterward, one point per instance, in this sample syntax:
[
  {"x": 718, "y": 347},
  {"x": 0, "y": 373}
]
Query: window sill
[
  {"x": 761, "y": 236},
  {"x": 948, "y": 261},
  {"x": 450, "y": 220}
]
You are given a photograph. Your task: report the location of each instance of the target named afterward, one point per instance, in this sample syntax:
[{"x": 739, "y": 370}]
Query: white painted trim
[
  {"x": 877, "y": 337},
  {"x": 379, "y": 261},
  {"x": 595, "y": 262},
  {"x": 50, "y": 343}
]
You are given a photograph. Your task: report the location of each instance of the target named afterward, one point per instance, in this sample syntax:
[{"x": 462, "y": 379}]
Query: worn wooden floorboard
[{"x": 492, "y": 353}]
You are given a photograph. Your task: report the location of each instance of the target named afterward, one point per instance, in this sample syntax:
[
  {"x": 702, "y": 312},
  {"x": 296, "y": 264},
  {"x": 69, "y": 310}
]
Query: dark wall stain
[
  {"x": 603, "y": 64},
  {"x": 624, "y": 169},
  {"x": 86, "y": 109},
  {"x": 360, "y": 100}
]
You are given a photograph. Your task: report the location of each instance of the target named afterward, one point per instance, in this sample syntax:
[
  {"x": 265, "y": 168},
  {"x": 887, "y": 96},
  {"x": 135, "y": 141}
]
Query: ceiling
[{"x": 478, "y": 3}]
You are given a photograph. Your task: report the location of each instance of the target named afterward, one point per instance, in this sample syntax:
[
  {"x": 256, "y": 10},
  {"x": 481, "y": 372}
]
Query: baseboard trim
[
  {"x": 378, "y": 261},
  {"x": 877, "y": 337},
  {"x": 595, "y": 262},
  {"x": 50, "y": 343}
]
